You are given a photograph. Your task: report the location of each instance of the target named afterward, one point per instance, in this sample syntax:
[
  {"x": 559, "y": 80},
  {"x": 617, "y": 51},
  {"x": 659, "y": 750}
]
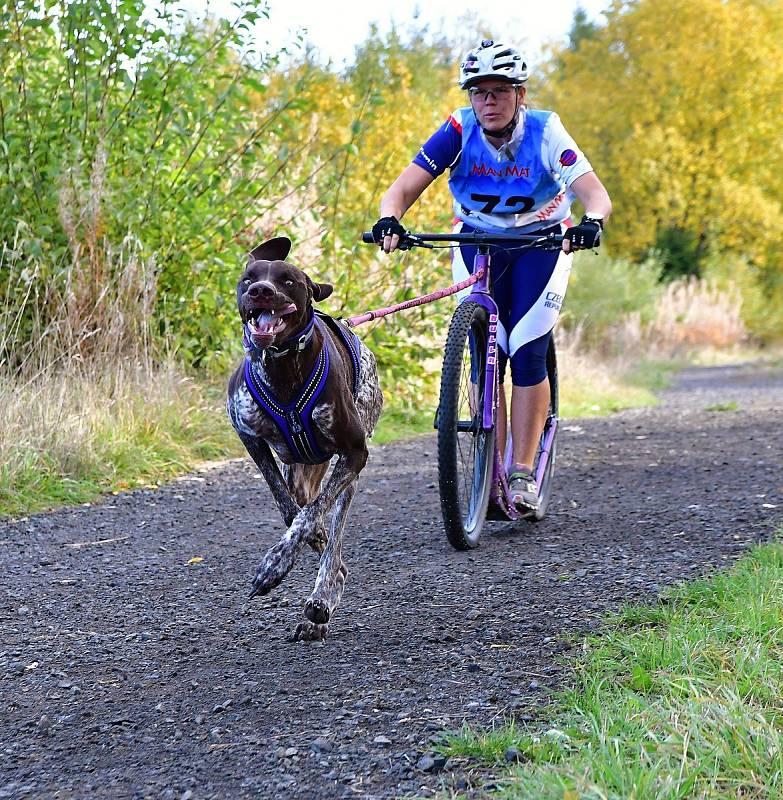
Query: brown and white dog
[{"x": 288, "y": 352}]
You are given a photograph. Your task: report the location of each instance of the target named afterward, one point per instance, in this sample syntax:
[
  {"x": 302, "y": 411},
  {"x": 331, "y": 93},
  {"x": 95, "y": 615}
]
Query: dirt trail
[{"x": 128, "y": 672}]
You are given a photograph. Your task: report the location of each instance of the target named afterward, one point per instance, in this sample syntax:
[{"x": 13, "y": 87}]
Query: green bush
[
  {"x": 603, "y": 290},
  {"x": 119, "y": 123}
]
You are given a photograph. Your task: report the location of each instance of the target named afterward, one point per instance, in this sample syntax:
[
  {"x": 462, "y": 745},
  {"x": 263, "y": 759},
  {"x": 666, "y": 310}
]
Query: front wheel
[{"x": 465, "y": 449}]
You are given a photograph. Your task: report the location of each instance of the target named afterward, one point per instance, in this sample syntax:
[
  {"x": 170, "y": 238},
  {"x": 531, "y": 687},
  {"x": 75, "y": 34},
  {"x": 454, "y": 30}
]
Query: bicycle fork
[{"x": 481, "y": 295}]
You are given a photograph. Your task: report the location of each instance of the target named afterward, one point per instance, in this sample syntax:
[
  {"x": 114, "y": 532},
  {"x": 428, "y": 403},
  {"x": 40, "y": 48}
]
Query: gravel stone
[
  {"x": 321, "y": 745},
  {"x": 425, "y": 763}
]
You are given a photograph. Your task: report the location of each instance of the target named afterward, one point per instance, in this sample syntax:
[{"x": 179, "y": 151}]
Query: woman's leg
[
  {"x": 540, "y": 281},
  {"x": 529, "y": 409}
]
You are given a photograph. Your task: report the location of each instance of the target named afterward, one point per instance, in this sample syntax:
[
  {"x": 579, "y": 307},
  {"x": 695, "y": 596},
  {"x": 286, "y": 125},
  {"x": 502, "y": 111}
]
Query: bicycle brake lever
[{"x": 410, "y": 241}]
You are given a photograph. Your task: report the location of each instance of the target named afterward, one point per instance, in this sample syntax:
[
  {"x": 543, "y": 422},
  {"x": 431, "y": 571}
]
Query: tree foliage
[
  {"x": 362, "y": 128},
  {"x": 127, "y": 136},
  {"x": 678, "y": 107}
]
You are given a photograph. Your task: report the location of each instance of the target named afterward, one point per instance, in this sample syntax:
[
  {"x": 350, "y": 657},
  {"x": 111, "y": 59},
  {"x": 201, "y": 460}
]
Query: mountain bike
[{"x": 472, "y": 468}]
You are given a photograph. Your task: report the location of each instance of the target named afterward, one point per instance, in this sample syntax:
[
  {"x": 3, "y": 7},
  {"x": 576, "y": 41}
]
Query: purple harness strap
[
  {"x": 351, "y": 342},
  {"x": 294, "y": 419}
]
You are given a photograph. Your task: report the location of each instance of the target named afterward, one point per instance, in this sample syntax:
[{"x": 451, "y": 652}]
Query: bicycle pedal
[{"x": 525, "y": 511}]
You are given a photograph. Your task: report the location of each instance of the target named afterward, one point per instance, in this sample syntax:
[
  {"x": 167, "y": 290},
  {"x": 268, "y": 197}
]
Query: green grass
[
  {"x": 592, "y": 388},
  {"x": 396, "y": 424},
  {"x": 147, "y": 433},
  {"x": 115, "y": 428},
  {"x": 683, "y": 699},
  {"x": 586, "y": 400},
  {"x": 722, "y": 407}
]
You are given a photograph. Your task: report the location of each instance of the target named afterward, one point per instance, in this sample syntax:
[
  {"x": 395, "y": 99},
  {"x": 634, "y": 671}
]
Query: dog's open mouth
[{"x": 265, "y": 323}]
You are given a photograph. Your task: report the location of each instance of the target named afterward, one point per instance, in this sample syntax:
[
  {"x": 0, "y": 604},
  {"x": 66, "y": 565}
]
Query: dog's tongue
[
  {"x": 267, "y": 323},
  {"x": 266, "y": 319}
]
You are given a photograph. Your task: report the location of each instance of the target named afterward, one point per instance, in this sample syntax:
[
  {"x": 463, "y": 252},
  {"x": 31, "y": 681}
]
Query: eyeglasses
[{"x": 497, "y": 92}]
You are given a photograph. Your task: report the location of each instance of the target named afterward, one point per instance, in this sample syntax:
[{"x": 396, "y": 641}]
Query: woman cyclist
[{"x": 511, "y": 170}]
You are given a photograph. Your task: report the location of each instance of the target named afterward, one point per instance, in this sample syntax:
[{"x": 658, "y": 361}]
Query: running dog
[{"x": 308, "y": 390}]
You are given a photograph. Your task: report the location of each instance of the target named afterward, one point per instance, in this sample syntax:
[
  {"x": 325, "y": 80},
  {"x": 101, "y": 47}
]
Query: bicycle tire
[
  {"x": 545, "y": 489},
  {"x": 465, "y": 450}
]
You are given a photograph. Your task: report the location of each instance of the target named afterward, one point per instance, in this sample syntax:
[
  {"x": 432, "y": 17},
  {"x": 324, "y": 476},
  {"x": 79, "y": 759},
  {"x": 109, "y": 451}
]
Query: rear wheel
[
  {"x": 549, "y": 436},
  {"x": 465, "y": 450}
]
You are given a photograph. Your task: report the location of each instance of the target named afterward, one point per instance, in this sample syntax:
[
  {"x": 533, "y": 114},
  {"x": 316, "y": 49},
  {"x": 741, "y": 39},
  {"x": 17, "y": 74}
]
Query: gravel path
[{"x": 128, "y": 669}]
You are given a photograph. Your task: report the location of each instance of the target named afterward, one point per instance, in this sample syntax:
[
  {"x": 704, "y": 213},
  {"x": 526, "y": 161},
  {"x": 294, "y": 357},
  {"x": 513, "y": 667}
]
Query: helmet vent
[{"x": 492, "y": 59}]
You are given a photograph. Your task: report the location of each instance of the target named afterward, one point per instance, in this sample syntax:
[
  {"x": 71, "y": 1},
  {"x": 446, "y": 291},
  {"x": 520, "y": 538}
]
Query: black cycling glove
[
  {"x": 585, "y": 235},
  {"x": 386, "y": 226}
]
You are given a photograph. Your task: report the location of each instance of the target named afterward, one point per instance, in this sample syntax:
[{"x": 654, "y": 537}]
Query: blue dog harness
[{"x": 295, "y": 419}]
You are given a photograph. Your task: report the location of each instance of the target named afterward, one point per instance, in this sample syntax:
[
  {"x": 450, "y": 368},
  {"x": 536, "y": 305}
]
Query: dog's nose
[{"x": 262, "y": 289}]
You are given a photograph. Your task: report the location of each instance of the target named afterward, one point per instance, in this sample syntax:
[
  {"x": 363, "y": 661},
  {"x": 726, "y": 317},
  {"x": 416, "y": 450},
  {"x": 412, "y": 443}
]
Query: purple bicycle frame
[{"x": 480, "y": 294}]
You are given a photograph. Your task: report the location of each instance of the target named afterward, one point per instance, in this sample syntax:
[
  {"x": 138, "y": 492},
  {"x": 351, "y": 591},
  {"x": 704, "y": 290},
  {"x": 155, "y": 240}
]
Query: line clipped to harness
[{"x": 378, "y": 313}]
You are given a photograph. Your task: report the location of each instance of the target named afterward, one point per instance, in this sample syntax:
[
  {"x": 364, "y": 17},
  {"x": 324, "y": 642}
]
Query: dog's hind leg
[{"x": 330, "y": 582}]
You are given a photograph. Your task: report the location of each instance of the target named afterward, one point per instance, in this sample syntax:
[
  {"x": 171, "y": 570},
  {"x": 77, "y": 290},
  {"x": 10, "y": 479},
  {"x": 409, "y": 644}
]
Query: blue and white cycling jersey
[{"x": 523, "y": 185}]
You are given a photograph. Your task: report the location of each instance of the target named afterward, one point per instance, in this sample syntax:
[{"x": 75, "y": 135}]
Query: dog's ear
[
  {"x": 320, "y": 290},
  {"x": 274, "y": 250}
]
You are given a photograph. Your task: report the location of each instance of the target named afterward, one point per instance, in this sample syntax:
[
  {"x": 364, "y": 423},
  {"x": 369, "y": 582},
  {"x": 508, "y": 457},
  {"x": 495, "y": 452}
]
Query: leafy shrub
[
  {"x": 116, "y": 124},
  {"x": 604, "y": 291}
]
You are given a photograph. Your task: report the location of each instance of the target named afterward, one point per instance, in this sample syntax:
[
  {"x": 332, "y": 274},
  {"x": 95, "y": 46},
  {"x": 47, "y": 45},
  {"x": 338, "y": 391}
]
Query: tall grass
[
  {"x": 623, "y": 332},
  {"x": 90, "y": 398},
  {"x": 620, "y": 309},
  {"x": 698, "y": 312},
  {"x": 75, "y": 430},
  {"x": 595, "y": 384}
]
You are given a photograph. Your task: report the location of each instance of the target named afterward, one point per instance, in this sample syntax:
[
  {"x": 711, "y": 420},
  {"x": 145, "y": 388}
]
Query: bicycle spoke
[
  {"x": 468, "y": 441},
  {"x": 465, "y": 463}
]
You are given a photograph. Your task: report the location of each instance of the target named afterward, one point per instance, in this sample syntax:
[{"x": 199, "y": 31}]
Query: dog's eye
[
  {"x": 246, "y": 282},
  {"x": 289, "y": 282}
]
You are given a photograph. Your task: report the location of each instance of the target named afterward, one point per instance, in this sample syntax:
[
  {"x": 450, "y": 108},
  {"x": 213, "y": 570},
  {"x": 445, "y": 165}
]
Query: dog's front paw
[
  {"x": 306, "y": 631},
  {"x": 317, "y": 611},
  {"x": 276, "y": 565},
  {"x": 266, "y": 579}
]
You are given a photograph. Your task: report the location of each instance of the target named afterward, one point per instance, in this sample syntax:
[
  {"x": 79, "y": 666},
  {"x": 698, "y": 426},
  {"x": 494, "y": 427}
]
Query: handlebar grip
[{"x": 367, "y": 237}]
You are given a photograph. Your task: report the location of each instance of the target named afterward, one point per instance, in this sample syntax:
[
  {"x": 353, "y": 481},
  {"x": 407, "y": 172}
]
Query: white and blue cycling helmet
[{"x": 492, "y": 59}]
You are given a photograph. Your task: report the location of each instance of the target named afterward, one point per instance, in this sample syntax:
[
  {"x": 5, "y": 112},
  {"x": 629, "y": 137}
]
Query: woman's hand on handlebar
[
  {"x": 386, "y": 233},
  {"x": 584, "y": 236}
]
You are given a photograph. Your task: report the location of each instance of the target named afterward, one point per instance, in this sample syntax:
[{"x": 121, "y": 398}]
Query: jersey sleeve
[
  {"x": 443, "y": 148},
  {"x": 560, "y": 153}
]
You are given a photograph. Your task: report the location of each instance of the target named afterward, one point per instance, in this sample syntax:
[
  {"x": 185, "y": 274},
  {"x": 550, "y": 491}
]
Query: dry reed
[
  {"x": 87, "y": 394},
  {"x": 697, "y": 313},
  {"x": 688, "y": 317}
]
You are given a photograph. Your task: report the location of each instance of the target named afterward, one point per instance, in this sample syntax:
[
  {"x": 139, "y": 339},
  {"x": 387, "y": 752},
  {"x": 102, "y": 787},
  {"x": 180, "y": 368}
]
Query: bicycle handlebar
[{"x": 553, "y": 240}]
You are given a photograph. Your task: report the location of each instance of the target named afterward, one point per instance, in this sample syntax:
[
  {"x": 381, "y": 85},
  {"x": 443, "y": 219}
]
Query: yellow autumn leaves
[{"x": 679, "y": 107}]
